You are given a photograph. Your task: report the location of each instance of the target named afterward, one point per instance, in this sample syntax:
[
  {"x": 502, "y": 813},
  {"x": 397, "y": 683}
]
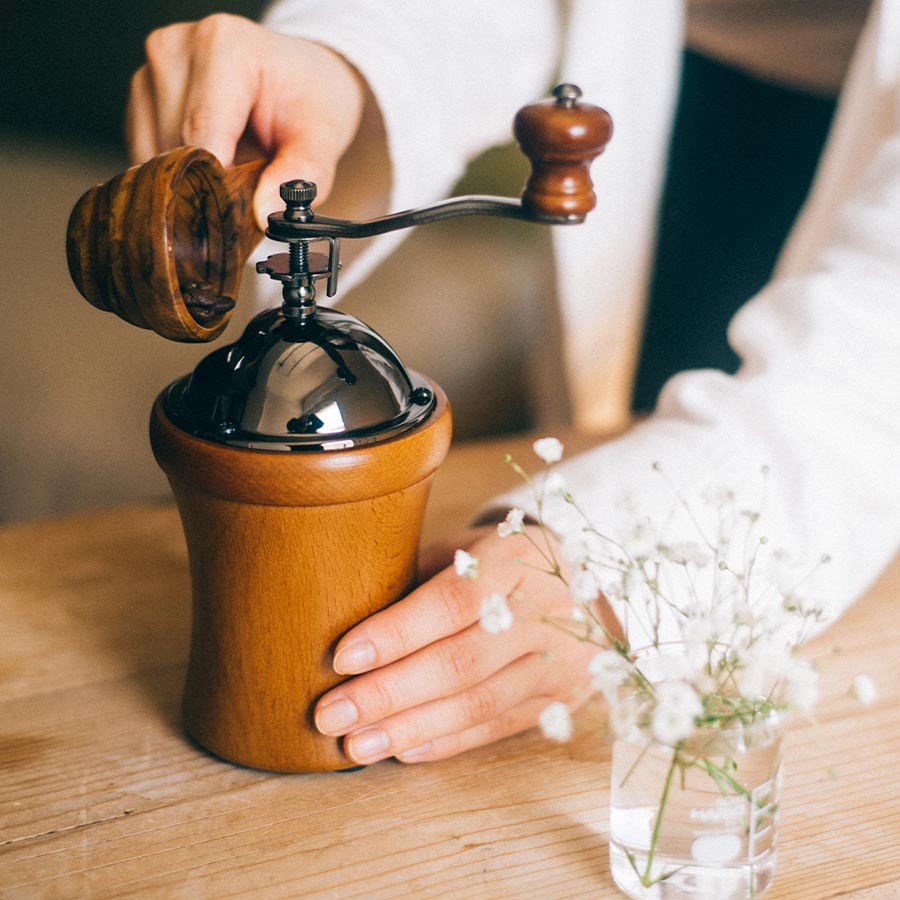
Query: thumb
[{"x": 289, "y": 164}]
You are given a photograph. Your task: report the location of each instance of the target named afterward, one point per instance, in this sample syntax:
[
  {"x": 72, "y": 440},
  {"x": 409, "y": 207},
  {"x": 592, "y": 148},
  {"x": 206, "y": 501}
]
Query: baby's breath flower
[
  {"x": 624, "y": 714},
  {"x": 555, "y": 486},
  {"x": 667, "y": 666},
  {"x": 754, "y": 681},
  {"x": 643, "y": 540},
  {"x": 699, "y": 629},
  {"x": 709, "y": 626},
  {"x": 555, "y": 721},
  {"x": 513, "y": 523},
  {"x": 864, "y": 689},
  {"x": 718, "y": 495},
  {"x": 801, "y": 685},
  {"x": 761, "y": 665},
  {"x": 624, "y": 586},
  {"x": 495, "y": 615},
  {"x": 771, "y": 615},
  {"x": 549, "y": 449},
  {"x": 583, "y": 587},
  {"x": 735, "y": 606},
  {"x": 465, "y": 564},
  {"x": 685, "y": 553},
  {"x": 575, "y": 549},
  {"x": 676, "y": 711},
  {"x": 615, "y": 589},
  {"x": 608, "y": 669}
]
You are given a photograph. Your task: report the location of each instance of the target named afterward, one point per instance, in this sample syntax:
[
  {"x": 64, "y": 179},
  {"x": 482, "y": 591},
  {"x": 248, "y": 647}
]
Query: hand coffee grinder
[{"x": 301, "y": 455}]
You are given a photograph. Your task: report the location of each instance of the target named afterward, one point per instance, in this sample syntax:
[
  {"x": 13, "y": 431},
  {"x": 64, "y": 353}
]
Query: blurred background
[{"x": 77, "y": 384}]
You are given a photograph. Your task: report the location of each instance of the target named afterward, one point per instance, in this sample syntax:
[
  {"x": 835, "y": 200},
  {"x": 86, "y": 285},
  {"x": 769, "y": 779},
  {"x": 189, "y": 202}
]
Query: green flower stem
[
  {"x": 636, "y": 762},
  {"x": 646, "y": 880},
  {"x": 719, "y": 775}
]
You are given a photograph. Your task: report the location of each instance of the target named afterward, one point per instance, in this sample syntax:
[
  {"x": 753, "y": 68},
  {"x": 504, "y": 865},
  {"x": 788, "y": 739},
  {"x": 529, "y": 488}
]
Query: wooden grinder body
[{"x": 288, "y": 550}]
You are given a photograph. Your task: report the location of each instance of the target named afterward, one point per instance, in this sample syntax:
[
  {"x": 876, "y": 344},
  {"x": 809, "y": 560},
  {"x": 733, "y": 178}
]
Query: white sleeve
[
  {"x": 447, "y": 79},
  {"x": 817, "y": 399}
]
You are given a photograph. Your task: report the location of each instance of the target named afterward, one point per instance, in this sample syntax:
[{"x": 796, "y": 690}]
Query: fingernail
[
  {"x": 266, "y": 199},
  {"x": 415, "y": 753},
  {"x": 336, "y": 717},
  {"x": 369, "y": 745},
  {"x": 354, "y": 658}
]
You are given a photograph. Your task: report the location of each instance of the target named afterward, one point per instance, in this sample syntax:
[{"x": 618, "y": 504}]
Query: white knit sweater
[{"x": 818, "y": 395}]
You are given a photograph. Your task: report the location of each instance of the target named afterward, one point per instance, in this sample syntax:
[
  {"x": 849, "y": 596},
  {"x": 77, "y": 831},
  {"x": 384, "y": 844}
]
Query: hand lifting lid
[{"x": 163, "y": 246}]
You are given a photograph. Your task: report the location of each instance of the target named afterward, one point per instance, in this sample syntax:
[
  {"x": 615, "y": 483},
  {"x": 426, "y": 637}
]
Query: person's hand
[
  {"x": 435, "y": 683},
  {"x": 241, "y": 90}
]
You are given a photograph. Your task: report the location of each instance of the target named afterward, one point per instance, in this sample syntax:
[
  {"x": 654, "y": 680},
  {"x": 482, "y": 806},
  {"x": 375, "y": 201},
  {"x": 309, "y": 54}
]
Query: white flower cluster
[
  {"x": 711, "y": 625},
  {"x": 514, "y": 523},
  {"x": 496, "y": 616},
  {"x": 675, "y": 712},
  {"x": 726, "y": 620},
  {"x": 465, "y": 564},
  {"x": 555, "y": 721},
  {"x": 864, "y": 690},
  {"x": 549, "y": 449}
]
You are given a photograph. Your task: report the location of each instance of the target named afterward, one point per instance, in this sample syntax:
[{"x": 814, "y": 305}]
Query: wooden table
[{"x": 101, "y": 794}]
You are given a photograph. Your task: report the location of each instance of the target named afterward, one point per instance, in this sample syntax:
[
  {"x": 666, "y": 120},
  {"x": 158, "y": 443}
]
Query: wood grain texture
[
  {"x": 102, "y": 796},
  {"x": 134, "y": 242},
  {"x": 287, "y": 552},
  {"x": 302, "y": 479},
  {"x": 561, "y": 140}
]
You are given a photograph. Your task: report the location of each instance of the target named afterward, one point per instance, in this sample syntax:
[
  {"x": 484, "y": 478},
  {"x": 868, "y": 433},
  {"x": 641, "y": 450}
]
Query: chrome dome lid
[{"x": 327, "y": 382}]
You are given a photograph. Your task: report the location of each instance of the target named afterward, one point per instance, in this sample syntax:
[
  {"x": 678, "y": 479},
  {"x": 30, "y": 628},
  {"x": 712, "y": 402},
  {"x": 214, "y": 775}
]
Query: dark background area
[{"x": 65, "y": 66}]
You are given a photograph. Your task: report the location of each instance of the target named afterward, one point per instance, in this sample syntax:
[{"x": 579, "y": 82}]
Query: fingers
[
  {"x": 154, "y": 114},
  {"x": 197, "y": 87},
  {"x": 222, "y": 86},
  {"x": 507, "y": 702},
  {"x": 431, "y": 682},
  {"x": 141, "y": 132},
  {"x": 294, "y": 159},
  {"x": 435, "y": 683},
  {"x": 512, "y": 721},
  {"x": 482, "y": 710},
  {"x": 306, "y": 115},
  {"x": 225, "y": 81},
  {"x": 441, "y": 669},
  {"x": 168, "y": 66},
  {"x": 444, "y": 606}
]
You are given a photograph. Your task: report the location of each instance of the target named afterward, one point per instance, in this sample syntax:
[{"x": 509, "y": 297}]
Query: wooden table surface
[{"x": 102, "y": 795}]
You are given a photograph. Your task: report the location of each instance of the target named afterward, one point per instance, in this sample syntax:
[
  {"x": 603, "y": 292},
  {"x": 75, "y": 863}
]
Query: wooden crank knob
[
  {"x": 163, "y": 244},
  {"x": 561, "y": 137}
]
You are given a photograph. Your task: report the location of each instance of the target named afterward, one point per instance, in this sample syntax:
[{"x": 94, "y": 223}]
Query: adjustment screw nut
[{"x": 298, "y": 192}]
